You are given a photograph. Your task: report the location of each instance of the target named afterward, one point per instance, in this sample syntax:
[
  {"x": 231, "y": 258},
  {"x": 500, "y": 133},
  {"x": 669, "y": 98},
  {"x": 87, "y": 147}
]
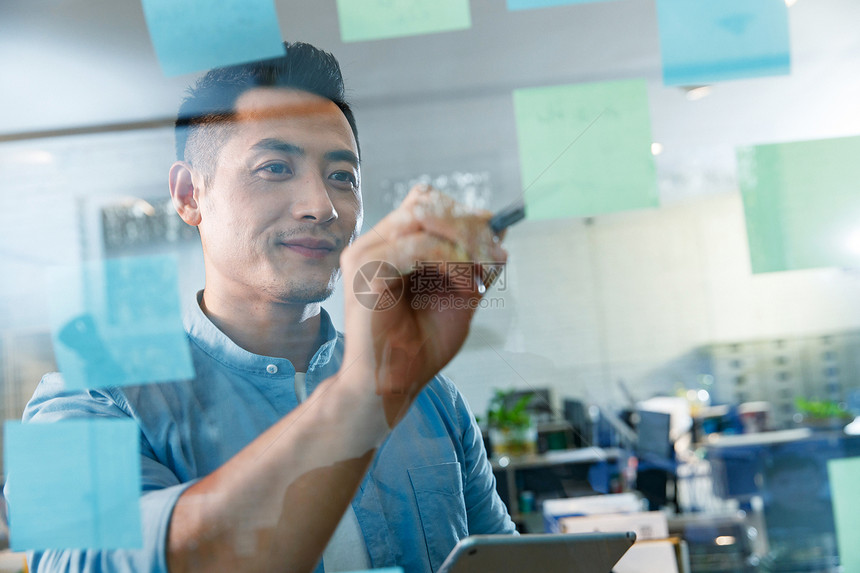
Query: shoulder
[
  {"x": 53, "y": 401},
  {"x": 443, "y": 396}
]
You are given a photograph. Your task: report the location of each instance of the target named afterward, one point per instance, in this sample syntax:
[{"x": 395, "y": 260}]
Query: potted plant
[
  {"x": 512, "y": 430},
  {"x": 823, "y": 414}
]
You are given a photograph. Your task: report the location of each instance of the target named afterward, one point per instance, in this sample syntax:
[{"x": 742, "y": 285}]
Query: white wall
[{"x": 631, "y": 296}]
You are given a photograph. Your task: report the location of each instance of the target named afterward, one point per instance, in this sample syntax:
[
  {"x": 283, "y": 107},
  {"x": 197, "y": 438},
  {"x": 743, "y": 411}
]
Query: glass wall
[{"x": 691, "y": 240}]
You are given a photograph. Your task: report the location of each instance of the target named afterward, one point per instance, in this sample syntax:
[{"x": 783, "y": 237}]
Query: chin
[{"x": 308, "y": 293}]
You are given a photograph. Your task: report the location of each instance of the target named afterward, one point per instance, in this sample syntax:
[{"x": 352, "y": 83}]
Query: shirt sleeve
[
  {"x": 485, "y": 510},
  {"x": 160, "y": 489}
]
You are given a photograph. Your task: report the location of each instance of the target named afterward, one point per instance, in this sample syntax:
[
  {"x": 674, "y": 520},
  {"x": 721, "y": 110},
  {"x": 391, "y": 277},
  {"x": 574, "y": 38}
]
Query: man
[{"x": 252, "y": 465}]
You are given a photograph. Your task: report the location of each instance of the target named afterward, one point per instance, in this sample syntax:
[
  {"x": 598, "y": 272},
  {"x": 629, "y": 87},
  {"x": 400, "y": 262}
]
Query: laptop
[{"x": 547, "y": 553}]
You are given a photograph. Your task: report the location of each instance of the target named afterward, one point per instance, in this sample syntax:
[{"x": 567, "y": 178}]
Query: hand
[{"x": 401, "y": 345}]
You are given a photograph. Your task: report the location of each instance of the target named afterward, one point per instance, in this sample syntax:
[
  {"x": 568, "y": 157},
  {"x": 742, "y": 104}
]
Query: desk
[
  {"x": 738, "y": 460},
  {"x": 787, "y": 472},
  {"x": 506, "y": 467}
]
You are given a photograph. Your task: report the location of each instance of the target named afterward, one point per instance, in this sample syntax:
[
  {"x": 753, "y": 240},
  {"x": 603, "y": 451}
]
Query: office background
[
  {"x": 643, "y": 303},
  {"x": 631, "y": 296}
]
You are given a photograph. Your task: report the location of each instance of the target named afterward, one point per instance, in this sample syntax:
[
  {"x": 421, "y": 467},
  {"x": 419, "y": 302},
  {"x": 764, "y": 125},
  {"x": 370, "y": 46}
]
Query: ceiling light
[
  {"x": 853, "y": 243},
  {"x": 656, "y": 148},
  {"x": 695, "y": 93},
  {"x": 34, "y": 157}
]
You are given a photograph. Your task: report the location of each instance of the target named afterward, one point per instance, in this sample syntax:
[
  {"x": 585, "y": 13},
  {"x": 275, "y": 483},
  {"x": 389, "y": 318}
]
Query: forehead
[{"x": 268, "y": 111}]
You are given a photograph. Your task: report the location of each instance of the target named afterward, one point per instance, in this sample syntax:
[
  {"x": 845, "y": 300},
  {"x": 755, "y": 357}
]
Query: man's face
[{"x": 284, "y": 199}]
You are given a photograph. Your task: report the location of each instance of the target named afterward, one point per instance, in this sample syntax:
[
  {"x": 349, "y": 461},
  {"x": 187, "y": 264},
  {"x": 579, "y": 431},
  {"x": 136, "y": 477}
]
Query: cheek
[{"x": 353, "y": 213}]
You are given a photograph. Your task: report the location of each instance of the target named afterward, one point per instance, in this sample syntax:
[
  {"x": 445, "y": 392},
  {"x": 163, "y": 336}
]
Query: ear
[{"x": 183, "y": 192}]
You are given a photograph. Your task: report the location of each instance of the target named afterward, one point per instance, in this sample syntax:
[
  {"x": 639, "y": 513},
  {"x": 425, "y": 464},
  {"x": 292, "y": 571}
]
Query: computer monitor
[
  {"x": 577, "y": 416},
  {"x": 540, "y": 405},
  {"x": 654, "y": 443}
]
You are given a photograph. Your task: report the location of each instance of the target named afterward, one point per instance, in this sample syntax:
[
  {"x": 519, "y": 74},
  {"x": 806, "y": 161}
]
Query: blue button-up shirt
[{"x": 429, "y": 486}]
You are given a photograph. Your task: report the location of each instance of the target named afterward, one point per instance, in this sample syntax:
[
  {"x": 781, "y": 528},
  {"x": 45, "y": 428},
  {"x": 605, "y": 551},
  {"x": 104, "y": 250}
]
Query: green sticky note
[
  {"x": 362, "y": 20},
  {"x": 802, "y": 204},
  {"x": 73, "y": 484},
  {"x": 585, "y": 149},
  {"x": 846, "y": 509}
]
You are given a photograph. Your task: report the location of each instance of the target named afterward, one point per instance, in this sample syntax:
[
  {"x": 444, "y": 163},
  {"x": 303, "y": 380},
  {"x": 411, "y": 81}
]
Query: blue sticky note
[
  {"x": 73, "y": 484},
  {"x": 707, "y": 41},
  {"x": 119, "y": 322},
  {"x": 195, "y": 35},
  {"x": 529, "y": 4},
  {"x": 362, "y": 20}
]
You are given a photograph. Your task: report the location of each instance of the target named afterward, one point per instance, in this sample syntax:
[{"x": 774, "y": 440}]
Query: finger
[
  {"x": 430, "y": 226},
  {"x": 439, "y": 214},
  {"x": 413, "y": 249}
]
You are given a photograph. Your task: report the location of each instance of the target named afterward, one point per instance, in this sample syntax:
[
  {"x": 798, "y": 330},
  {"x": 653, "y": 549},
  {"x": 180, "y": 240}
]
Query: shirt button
[{"x": 272, "y": 369}]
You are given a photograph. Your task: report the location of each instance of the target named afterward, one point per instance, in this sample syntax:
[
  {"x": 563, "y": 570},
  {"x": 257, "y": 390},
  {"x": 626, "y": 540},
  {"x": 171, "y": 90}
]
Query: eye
[
  {"x": 345, "y": 177},
  {"x": 275, "y": 170}
]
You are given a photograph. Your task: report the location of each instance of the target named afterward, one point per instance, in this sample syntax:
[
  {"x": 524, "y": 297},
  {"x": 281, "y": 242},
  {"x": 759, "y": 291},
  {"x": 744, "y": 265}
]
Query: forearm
[{"x": 274, "y": 505}]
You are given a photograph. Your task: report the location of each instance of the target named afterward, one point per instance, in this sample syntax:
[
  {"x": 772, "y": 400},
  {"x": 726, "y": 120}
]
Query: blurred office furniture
[
  {"x": 653, "y": 552},
  {"x": 720, "y": 542},
  {"x": 576, "y": 415},
  {"x": 556, "y": 435},
  {"x": 655, "y": 556},
  {"x": 556, "y": 474},
  {"x": 647, "y": 525},
  {"x": 540, "y": 407},
  {"x": 555, "y": 511},
  {"x": 655, "y": 474},
  {"x": 824, "y": 367},
  {"x": 785, "y": 471}
]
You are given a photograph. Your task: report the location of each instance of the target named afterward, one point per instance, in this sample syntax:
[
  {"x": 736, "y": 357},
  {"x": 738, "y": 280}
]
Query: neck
[{"x": 267, "y": 328}]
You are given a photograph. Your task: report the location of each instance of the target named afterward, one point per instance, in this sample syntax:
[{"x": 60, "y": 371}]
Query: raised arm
[{"x": 276, "y": 503}]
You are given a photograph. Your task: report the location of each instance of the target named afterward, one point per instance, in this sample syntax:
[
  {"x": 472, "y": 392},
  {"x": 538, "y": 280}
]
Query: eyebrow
[
  {"x": 292, "y": 149},
  {"x": 343, "y": 155}
]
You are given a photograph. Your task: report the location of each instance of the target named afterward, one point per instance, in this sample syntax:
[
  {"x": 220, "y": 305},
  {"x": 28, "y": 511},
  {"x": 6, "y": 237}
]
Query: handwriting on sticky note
[{"x": 585, "y": 149}]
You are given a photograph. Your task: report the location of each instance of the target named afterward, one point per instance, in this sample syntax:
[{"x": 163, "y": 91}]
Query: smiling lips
[{"x": 310, "y": 248}]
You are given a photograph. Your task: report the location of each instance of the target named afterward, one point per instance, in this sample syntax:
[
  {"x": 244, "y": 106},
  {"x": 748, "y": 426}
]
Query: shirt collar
[{"x": 206, "y": 336}]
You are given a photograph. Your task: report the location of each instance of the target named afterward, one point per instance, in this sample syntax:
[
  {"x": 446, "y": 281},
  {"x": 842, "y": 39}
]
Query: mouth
[{"x": 310, "y": 248}]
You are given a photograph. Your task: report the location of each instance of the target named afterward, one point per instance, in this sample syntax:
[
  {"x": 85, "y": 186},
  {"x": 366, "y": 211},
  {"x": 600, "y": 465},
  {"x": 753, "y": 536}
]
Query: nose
[{"x": 312, "y": 201}]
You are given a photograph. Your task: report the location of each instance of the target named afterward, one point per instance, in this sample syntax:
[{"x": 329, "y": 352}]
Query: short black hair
[{"x": 205, "y": 113}]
